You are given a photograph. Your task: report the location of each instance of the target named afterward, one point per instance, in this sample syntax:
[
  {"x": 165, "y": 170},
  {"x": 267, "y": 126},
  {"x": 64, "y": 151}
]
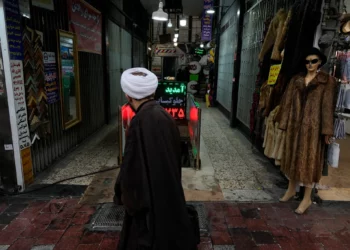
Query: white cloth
[{"x": 139, "y": 83}]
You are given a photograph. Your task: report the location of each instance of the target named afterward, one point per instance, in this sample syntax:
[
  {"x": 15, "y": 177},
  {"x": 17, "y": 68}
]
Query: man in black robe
[{"x": 149, "y": 184}]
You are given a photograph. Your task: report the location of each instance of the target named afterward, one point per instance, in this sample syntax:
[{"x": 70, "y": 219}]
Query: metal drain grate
[
  {"x": 203, "y": 218},
  {"x": 109, "y": 217}
]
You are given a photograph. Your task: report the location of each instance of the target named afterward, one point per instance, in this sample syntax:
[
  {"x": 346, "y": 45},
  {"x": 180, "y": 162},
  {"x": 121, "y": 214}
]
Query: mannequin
[{"x": 306, "y": 114}]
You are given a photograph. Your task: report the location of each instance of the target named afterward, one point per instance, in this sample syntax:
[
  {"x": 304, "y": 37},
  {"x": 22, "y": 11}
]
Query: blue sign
[
  {"x": 14, "y": 29},
  {"x": 207, "y": 21}
]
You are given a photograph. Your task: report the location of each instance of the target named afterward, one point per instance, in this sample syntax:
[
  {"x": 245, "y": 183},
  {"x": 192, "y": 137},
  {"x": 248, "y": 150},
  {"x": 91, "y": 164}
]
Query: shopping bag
[{"x": 333, "y": 155}]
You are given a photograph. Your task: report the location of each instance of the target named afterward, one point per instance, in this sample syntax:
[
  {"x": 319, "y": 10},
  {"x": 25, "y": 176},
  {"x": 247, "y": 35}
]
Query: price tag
[{"x": 273, "y": 75}]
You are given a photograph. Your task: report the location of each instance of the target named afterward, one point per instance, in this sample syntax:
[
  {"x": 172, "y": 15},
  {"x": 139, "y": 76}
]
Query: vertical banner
[
  {"x": 20, "y": 104},
  {"x": 14, "y": 29},
  {"x": 51, "y": 86},
  {"x": 27, "y": 165},
  {"x": 86, "y": 22},
  {"x": 207, "y": 21}
]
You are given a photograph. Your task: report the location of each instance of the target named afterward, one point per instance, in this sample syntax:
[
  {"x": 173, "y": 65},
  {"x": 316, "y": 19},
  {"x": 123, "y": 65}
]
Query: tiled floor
[
  {"x": 60, "y": 224},
  {"x": 231, "y": 169}
]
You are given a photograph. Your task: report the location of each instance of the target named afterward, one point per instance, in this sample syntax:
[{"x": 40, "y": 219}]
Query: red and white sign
[
  {"x": 167, "y": 51},
  {"x": 86, "y": 22}
]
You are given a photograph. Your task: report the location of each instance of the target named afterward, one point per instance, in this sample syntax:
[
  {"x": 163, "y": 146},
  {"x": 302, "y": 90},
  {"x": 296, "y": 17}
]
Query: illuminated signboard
[
  {"x": 199, "y": 51},
  {"x": 172, "y": 96}
]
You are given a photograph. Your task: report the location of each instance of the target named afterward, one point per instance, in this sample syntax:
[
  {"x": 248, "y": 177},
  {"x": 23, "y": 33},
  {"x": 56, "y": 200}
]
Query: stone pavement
[{"x": 61, "y": 224}]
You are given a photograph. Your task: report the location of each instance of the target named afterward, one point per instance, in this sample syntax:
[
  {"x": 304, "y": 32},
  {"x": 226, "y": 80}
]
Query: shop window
[{"x": 69, "y": 79}]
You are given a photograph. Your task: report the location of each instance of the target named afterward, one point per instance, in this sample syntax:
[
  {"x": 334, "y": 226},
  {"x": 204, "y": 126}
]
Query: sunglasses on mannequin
[{"x": 314, "y": 61}]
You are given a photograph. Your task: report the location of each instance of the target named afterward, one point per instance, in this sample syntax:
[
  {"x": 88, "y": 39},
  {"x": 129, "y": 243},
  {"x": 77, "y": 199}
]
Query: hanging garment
[
  {"x": 265, "y": 92},
  {"x": 305, "y": 18},
  {"x": 307, "y": 116},
  {"x": 274, "y": 32},
  {"x": 339, "y": 129},
  {"x": 269, "y": 138},
  {"x": 274, "y": 140},
  {"x": 341, "y": 95}
]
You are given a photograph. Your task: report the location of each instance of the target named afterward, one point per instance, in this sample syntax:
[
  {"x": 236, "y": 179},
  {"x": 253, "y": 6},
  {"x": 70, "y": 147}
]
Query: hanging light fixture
[
  {"x": 202, "y": 45},
  {"x": 176, "y": 35},
  {"x": 170, "y": 24},
  {"x": 175, "y": 44},
  {"x": 210, "y": 11},
  {"x": 160, "y": 15},
  {"x": 183, "y": 22},
  {"x": 175, "y": 39}
]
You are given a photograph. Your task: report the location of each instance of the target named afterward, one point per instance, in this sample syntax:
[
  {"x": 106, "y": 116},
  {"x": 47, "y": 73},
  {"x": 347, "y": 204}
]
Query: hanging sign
[
  {"x": 165, "y": 51},
  {"x": 20, "y": 103},
  {"x": 86, "y": 22},
  {"x": 172, "y": 96},
  {"x": 51, "y": 86},
  {"x": 14, "y": 29},
  {"x": 207, "y": 21},
  {"x": 273, "y": 75},
  {"x": 45, "y": 4}
]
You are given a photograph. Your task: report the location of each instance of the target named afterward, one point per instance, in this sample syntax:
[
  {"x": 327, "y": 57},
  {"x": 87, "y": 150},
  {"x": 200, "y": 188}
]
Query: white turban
[{"x": 139, "y": 83}]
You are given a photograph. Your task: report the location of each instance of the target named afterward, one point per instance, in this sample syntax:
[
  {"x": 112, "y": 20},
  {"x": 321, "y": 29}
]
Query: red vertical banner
[{"x": 86, "y": 22}]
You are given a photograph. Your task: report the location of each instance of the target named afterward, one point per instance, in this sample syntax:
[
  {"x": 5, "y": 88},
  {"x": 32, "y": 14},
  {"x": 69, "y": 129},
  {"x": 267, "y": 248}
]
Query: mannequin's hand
[{"x": 328, "y": 139}]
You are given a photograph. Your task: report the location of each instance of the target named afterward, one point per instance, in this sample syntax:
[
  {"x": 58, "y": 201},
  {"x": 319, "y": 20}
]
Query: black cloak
[{"x": 149, "y": 184}]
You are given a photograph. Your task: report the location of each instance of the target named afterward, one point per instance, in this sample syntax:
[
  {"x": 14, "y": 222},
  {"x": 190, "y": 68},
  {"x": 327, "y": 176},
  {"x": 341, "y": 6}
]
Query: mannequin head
[
  {"x": 314, "y": 60},
  {"x": 313, "y": 63}
]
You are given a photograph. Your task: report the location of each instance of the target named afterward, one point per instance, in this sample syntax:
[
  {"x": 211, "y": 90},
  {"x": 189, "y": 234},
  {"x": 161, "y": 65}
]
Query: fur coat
[
  {"x": 306, "y": 114},
  {"x": 275, "y": 36},
  {"x": 274, "y": 139}
]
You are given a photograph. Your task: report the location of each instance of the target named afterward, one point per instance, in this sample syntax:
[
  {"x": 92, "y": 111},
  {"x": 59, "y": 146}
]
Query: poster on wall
[
  {"x": 20, "y": 103},
  {"x": 86, "y": 22},
  {"x": 45, "y": 4},
  {"x": 14, "y": 29},
  {"x": 207, "y": 21},
  {"x": 51, "y": 86}
]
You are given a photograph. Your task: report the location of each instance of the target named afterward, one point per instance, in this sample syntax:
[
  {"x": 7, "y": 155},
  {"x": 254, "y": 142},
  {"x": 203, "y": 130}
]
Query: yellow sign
[
  {"x": 27, "y": 166},
  {"x": 274, "y": 72}
]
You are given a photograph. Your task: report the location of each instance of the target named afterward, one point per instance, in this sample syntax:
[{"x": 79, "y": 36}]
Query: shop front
[
  {"x": 334, "y": 42},
  {"x": 54, "y": 71},
  {"x": 282, "y": 61}
]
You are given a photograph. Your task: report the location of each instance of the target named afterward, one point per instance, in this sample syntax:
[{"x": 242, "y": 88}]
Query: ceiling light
[
  {"x": 211, "y": 11},
  {"x": 176, "y": 35},
  {"x": 175, "y": 40},
  {"x": 202, "y": 45},
  {"x": 175, "y": 44},
  {"x": 183, "y": 22},
  {"x": 170, "y": 24},
  {"x": 160, "y": 15},
  {"x": 149, "y": 48}
]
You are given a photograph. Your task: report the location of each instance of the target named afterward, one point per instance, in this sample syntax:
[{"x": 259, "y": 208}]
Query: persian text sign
[
  {"x": 20, "y": 104},
  {"x": 86, "y": 22},
  {"x": 273, "y": 75},
  {"x": 172, "y": 96},
  {"x": 207, "y": 21},
  {"x": 14, "y": 29},
  {"x": 51, "y": 85}
]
